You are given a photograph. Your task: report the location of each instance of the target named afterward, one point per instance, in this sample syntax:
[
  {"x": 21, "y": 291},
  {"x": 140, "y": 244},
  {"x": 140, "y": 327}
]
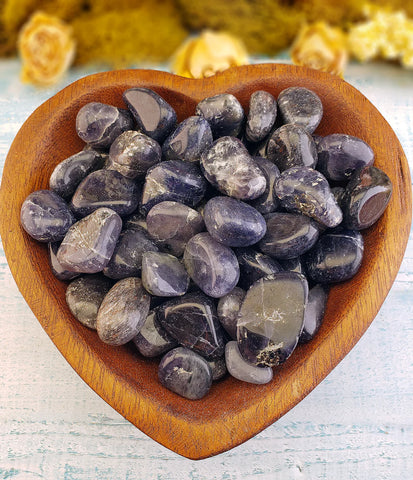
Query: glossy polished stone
[
  {"x": 314, "y": 312},
  {"x": 291, "y": 146},
  {"x": 267, "y": 202},
  {"x": 99, "y": 124},
  {"x": 338, "y": 193},
  {"x": 84, "y": 297},
  {"x": 300, "y": 106},
  {"x": 229, "y": 167},
  {"x": 133, "y": 153},
  {"x": 339, "y": 155},
  {"x": 123, "y": 312},
  {"x": 173, "y": 180},
  {"x": 152, "y": 339},
  {"x": 105, "y": 188},
  {"x": 172, "y": 225},
  {"x": 126, "y": 260},
  {"x": 288, "y": 235},
  {"x": 137, "y": 221},
  {"x": 211, "y": 265},
  {"x": 224, "y": 114},
  {"x": 366, "y": 197},
  {"x": 185, "y": 373},
  {"x": 163, "y": 275},
  {"x": 153, "y": 115},
  {"x": 192, "y": 320},
  {"x": 188, "y": 140},
  {"x": 218, "y": 368},
  {"x": 233, "y": 223},
  {"x": 242, "y": 370},
  {"x": 58, "y": 271},
  {"x": 304, "y": 190},
  {"x": 45, "y": 216},
  {"x": 336, "y": 256},
  {"x": 293, "y": 265},
  {"x": 90, "y": 242},
  {"x": 254, "y": 265},
  {"x": 70, "y": 172},
  {"x": 261, "y": 116},
  {"x": 228, "y": 308},
  {"x": 271, "y": 318}
]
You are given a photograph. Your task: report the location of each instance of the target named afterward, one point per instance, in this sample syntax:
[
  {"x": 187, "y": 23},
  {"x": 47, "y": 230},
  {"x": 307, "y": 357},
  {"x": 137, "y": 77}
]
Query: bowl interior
[{"x": 233, "y": 411}]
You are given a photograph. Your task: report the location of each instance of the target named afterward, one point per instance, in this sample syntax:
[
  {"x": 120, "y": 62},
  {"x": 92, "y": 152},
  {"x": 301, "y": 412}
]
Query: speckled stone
[
  {"x": 105, "y": 188},
  {"x": 185, "y": 373},
  {"x": 300, "y": 106},
  {"x": 242, "y": 370},
  {"x": 223, "y": 112},
  {"x": 84, "y": 297},
  {"x": 229, "y": 167},
  {"x": 133, "y": 153},
  {"x": 261, "y": 116},
  {"x": 228, "y": 308},
  {"x": 45, "y": 216},
  {"x": 90, "y": 242},
  {"x": 271, "y": 318},
  {"x": 304, "y": 190},
  {"x": 188, "y": 140},
  {"x": 153, "y": 115},
  {"x": 58, "y": 271},
  {"x": 123, "y": 312},
  {"x": 267, "y": 202},
  {"x": 314, "y": 312},
  {"x": 211, "y": 265},
  {"x": 233, "y": 223},
  {"x": 192, "y": 320},
  {"x": 218, "y": 368},
  {"x": 172, "y": 225},
  {"x": 173, "y": 180},
  {"x": 254, "y": 265},
  {"x": 99, "y": 124},
  {"x": 67, "y": 174},
  {"x": 291, "y": 146}
]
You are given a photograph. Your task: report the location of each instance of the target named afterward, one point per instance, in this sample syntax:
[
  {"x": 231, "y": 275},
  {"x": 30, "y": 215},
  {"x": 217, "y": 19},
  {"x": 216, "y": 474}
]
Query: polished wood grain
[{"x": 233, "y": 411}]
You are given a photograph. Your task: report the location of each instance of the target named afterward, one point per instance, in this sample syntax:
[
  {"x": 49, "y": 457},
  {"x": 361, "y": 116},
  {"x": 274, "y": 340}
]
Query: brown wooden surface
[{"x": 233, "y": 411}]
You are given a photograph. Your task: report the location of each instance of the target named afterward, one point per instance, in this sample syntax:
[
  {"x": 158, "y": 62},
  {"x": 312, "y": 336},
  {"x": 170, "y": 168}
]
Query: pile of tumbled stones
[{"x": 210, "y": 243}]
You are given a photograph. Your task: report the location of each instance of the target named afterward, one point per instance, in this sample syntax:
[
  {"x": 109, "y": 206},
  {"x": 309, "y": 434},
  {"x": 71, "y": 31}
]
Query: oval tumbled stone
[
  {"x": 267, "y": 202},
  {"x": 184, "y": 372},
  {"x": 261, "y": 116}
]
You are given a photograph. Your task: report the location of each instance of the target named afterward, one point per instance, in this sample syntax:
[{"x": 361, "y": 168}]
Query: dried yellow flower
[
  {"x": 322, "y": 47},
  {"x": 207, "y": 54},
  {"x": 47, "y": 49}
]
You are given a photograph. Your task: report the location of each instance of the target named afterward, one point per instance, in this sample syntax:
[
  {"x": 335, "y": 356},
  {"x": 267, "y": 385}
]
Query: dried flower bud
[
  {"x": 207, "y": 54},
  {"x": 321, "y": 47},
  {"x": 47, "y": 49}
]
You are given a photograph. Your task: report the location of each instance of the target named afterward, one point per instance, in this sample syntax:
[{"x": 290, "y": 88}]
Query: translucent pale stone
[{"x": 242, "y": 370}]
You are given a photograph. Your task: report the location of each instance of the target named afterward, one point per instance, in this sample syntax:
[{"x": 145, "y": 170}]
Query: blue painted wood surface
[{"x": 357, "y": 424}]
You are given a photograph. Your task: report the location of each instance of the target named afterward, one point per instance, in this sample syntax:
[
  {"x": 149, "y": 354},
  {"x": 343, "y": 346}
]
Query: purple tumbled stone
[
  {"x": 45, "y": 216},
  {"x": 261, "y": 116},
  {"x": 90, "y": 242},
  {"x": 228, "y": 308},
  {"x": 254, "y": 265},
  {"x": 218, "y": 368},
  {"x": 267, "y": 202},
  {"x": 57, "y": 270},
  {"x": 314, "y": 312},
  {"x": 242, "y": 370}
]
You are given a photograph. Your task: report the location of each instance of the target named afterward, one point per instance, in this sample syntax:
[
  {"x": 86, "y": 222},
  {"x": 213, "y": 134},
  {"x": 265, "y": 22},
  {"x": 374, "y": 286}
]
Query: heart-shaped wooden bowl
[{"x": 233, "y": 411}]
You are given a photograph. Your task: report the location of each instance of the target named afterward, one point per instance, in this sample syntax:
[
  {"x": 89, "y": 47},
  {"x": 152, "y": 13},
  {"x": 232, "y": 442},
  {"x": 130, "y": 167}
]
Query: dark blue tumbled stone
[
  {"x": 67, "y": 175},
  {"x": 153, "y": 115},
  {"x": 335, "y": 257},
  {"x": 254, "y": 265},
  {"x": 339, "y": 155},
  {"x": 189, "y": 140},
  {"x": 211, "y": 265},
  {"x": 267, "y": 202},
  {"x": 105, "y": 188},
  {"x": 366, "y": 197},
  {"x": 229, "y": 167},
  {"x": 45, "y": 216},
  {"x": 300, "y": 106},
  {"x": 314, "y": 312},
  {"x": 292, "y": 265},
  {"x": 185, "y": 373},
  {"x": 192, "y": 320},
  {"x": 288, "y": 235},
  {"x": 99, "y": 124},
  {"x": 173, "y": 180},
  {"x": 228, "y": 308},
  {"x": 304, "y": 190},
  {"x": 291, "y": 146},
  {"x": 271, "y": 318},
  {"x": 261, "y": 116},
  {"x": 338, "y": 193},
  {"x": 218, "y": 368},
  {"x": 126, "y": 260},
  {"x": 223, "y": 112},
  {"x": 57, "y": 270},
  {"x": 233, "y": 223}
]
